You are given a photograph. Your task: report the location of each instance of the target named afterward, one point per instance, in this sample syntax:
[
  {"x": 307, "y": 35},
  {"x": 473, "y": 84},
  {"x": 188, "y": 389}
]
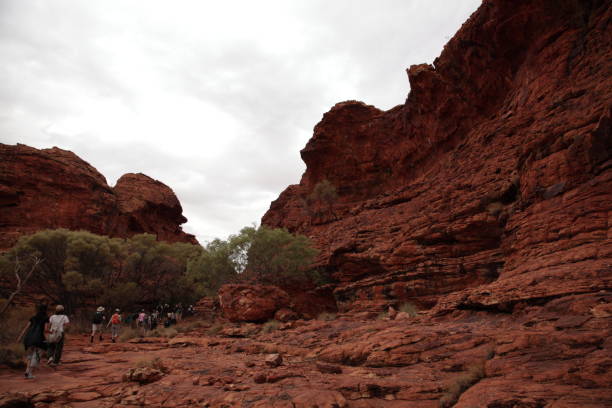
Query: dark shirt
[{"x": 35, "y": 336}]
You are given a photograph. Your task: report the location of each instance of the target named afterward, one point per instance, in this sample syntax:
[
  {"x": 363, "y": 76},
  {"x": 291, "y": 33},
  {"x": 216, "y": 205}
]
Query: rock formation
[
  {"x": 490, "y": 187},
  {"x": 54, "y": 188}
]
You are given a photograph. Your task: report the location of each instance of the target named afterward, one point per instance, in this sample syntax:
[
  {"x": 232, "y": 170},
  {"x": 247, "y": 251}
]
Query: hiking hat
[
  {"x": 100, "y": 309},
  {"x": 59, "y": 308},
  {"x": 116, "y": 310}
]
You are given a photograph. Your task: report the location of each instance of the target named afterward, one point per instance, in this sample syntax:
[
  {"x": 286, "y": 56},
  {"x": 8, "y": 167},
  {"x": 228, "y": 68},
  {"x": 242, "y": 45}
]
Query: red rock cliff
[
  {"x": 493, "y": 182},
  {"x": 54, "y": 188}
]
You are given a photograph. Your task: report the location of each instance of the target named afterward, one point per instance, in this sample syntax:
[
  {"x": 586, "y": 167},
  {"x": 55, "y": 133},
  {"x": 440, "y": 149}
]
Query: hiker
[
  {"x": 97, "y": 323},
  {"x": 55, "y": 338},
  {"x": 115, "y": 321},
  {"x": 178, "y": 313},
  {"x": 34, "y": 339},
  {"x": 142, "y": 319}
]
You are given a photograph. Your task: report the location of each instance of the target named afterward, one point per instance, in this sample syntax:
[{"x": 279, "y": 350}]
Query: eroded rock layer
[
  {"x": 491, "y": 186},
  {"x": 54, "y": 188}
]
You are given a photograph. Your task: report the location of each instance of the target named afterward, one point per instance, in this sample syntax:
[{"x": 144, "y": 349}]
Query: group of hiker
[
  {"x": 35, "y": 341},
  {"x": 46, "y": 333}
]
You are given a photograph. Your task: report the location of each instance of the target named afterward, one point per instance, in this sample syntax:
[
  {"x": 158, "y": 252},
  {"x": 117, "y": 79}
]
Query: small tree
[
  {"x": 22, "y": 272},
  {"x": 322, "y": 198},
  {"x": 277, "y": 256},
  {"x": 213, "y": 267}
]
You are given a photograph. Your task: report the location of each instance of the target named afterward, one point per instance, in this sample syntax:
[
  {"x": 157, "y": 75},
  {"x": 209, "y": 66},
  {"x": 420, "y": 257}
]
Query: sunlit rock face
[
  {"x": 54, "y": 188},
  {"x": 492, "y": 184}
]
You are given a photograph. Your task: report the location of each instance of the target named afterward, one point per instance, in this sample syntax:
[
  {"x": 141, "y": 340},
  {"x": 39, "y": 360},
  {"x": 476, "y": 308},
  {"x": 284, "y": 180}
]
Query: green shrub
[
  {"x": 128, "y": 333},
  {"x": 382, "y": 316},
  {"x": 214, "y": 329},
  {"x": 409, "y": 308},
  {"x": 13, "y": 321},
  {"x": 167, "y": 332},
  {"x": 12, "y": 355},
  {"x": 155, "y": 363},
  {"x": 270, "y": 326},
  {"x": 325, "y": 316},
  {"x": 462, "y": 382},
  {"x": 185, "y": 327}
]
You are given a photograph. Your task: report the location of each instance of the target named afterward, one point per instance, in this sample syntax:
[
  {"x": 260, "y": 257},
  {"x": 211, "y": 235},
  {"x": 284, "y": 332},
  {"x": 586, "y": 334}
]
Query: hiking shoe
[{"x": 29, "y": 376}]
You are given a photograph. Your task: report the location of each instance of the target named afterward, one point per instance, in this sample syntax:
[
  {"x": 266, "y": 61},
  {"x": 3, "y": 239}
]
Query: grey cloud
[{"x": 65, "y": 59}]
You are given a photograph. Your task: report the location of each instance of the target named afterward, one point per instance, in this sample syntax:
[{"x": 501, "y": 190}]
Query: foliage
[
  {"x": 12, "y": 323},
  {"x": 82, "y": 269},
  {"x": 462, "y": 382},
  {"x": 127, "y": 333},
  {"x": 212, "y": 268},
  {"x": 214, "y": 329},
  {"x": 409, "y": 308},
  {"x": 276, "y": 256},
  {"x": 321, "y": 198},
  {"x": 155, "y": 363},
  {"x": 262, "y": 254},
  {"x": 325, "y": 316},
  {"x": 270, "y": 326}
]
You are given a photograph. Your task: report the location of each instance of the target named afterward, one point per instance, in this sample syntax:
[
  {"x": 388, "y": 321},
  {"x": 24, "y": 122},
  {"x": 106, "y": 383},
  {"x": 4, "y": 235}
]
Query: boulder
[
  {"x": 143, "y": 375},
  {"x": 251, "y": 303},
  {"x": 273, "y": 360}
]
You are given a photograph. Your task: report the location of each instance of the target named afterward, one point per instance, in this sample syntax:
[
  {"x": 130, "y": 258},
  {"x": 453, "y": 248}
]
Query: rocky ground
[{"x": 557, "y": 354}]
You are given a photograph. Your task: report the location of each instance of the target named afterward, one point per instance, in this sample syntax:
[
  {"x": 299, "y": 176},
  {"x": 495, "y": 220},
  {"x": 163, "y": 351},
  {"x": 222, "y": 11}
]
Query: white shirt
[{"x": 57, "y": 322}]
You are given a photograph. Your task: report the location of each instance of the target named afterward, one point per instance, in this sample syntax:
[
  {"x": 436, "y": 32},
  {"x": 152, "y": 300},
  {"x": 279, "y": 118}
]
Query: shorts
[{"x": 96, "y": 327}]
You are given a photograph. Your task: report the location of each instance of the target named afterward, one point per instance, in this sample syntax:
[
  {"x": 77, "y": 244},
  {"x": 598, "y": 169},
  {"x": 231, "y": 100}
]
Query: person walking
[
  {"x": 142, "y": 317},
  {"x": 97, "y": 323},
  {"x": 115, "y": 322},
  {"x": 34, "y": 339},
  {"x": 55, "y": 338}
]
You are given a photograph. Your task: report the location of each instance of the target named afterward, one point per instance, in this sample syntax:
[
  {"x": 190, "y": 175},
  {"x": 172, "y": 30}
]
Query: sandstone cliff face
[
  {"x": 54, "y": 188},
  {"x": 492, "y": 184}
]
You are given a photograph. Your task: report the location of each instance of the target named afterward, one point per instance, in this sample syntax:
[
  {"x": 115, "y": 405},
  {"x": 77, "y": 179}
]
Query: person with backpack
[
  {"x": 97, "y": 323},
  {"x": 115, "y": 321},
  {"x": 55, "y": 338},
  {"x": 34, "y": 339}
]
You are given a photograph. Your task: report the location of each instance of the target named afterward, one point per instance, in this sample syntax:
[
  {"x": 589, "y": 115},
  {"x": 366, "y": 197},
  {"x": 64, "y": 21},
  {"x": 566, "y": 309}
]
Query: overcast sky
[{"x": 214, "y": 99}]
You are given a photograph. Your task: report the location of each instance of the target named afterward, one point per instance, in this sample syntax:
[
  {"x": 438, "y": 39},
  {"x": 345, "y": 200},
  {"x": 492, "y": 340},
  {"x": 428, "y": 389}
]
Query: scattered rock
[
  {"x": 273, "y": 360},
  {"x": 143, "y": 375},
  {"x": 260, "y": 378},
  {"x": 328, "y": 368}
]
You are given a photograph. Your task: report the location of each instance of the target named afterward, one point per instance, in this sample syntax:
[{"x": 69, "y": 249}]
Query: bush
[
  {"x": 12, "y": 355},
  {"x": 154, "y": 363},
  {"x": 128, "y": 333},
  {"x": 270, "y": 326},
  {"x": 462, "y": 382},
  {"x": 185, "y": 327},
  {"x": 13, "y": 322},
  {"x": 325, "y": 316},
  {"x": 409, "y": 308},
  {"x": 382, "y": 316},
  {"x": 214, "y": 329},
  {"x": 167, "y": 332}
]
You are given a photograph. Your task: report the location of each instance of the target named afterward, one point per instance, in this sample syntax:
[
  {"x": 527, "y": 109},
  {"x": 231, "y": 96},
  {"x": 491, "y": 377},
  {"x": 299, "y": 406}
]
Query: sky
[{"x": 214, "y": 99}]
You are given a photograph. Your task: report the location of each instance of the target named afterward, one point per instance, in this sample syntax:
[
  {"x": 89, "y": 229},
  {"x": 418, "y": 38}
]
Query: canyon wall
[
  {"x": 492, "y": 184},
  {"x": 54, "y": 188}
]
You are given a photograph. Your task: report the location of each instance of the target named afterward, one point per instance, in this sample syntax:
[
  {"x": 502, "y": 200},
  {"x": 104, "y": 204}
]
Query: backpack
[
  {"x": 115, "y": 319},
  {"x": 54, "y": 337},
  {"x": 97, "y": 319}
]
